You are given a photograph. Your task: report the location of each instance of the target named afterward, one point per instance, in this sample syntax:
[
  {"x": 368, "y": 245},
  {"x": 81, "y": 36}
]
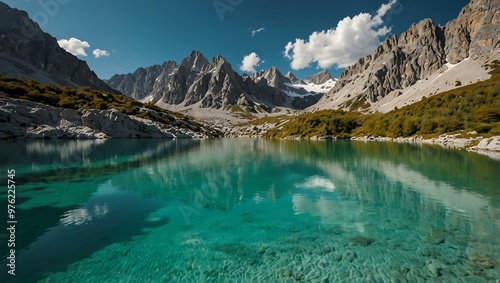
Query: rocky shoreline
[
  {"x": 488, "y": 146},
  {"x": 482, "y": 145},
  {"x": 23, "y": 119}
]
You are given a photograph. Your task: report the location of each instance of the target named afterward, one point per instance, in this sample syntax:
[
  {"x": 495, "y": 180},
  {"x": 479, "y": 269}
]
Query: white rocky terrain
[{"x": 30, "y": 120}]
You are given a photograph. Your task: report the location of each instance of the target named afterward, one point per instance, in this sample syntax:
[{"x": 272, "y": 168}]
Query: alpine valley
[
  {"x": 379, "y": 96},
  {"x": 367, "y": 152}
]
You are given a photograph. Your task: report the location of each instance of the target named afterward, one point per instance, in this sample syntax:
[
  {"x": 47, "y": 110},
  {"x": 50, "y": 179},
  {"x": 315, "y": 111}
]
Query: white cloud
[
  {"x": 100, "y": 53},
  {"x": 249, "y": 62},
  {"x": 257, "y": 31},
  {"x": 342, "y": 46},
  {"x": 74, "y": 46}
]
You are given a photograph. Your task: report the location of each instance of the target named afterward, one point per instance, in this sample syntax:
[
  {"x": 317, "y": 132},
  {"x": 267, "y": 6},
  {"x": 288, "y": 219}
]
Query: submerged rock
[
  {"x": 337, "y": 231},
  {"x": 361, "y": 241},
  {"x": 484, "y": 261},
  {"x": 349, "y": 256},
  {"x": 328, "y": 249},
  {"x": 232, "y": 249},
  {"x": 284, "y": 273},
  {"x": 435, "y": 269},
  {"x": 262, "y": 249},
  {"x": 436, "y": 236}
]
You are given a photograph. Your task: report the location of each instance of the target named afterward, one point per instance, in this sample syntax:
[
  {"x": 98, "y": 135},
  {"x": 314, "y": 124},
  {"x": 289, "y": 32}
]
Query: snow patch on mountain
[{"x": 309, "y": 87}]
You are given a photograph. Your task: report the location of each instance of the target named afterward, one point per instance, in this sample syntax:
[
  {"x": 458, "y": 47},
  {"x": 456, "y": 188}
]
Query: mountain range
[
  {"x": 401, "y": 71},
  {"x": 197, "y": 82}
]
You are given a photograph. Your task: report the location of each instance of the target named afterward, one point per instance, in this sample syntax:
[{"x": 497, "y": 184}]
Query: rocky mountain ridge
[
  {"x": 199, "y": 83},
  {"x": 139, "y": 83},
  {"x": 27, "y": 52},
  {"x": 319, "y": 78},
  {"x": 404, "y": 69}
]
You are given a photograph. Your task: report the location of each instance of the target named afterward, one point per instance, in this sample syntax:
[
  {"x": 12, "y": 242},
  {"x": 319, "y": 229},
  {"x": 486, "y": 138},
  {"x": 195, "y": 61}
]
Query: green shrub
[
  {"x": 101, "y": 105},
  {"x": 483, "y": 128},
  {"x": 67, "y": 104},
  {"x": 428, "y": 126},
  {"x": 69, "y": 90},
  {"x": 487, "y": 114}
]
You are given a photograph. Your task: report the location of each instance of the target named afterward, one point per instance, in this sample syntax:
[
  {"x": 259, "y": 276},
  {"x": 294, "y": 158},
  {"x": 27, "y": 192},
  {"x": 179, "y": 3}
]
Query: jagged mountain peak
[
  {"x": 291, "y": 77},
  {"x": 195, "y": 53},
  {"x": 272, "y": 71},
  {"x": 168, "y": 64},
  {"x": 219, "y": 64},
  {"x": 195, "y": 61},
  {"x": 218, "y": 59},
  {"x": 271, "y": 76},
  {"x": 319, "y": 78}
]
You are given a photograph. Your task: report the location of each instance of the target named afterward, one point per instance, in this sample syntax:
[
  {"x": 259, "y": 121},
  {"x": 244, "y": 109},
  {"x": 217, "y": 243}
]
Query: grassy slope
[
  {"x": 86, "y": 98},
  {"x": 475, "y": 107}
]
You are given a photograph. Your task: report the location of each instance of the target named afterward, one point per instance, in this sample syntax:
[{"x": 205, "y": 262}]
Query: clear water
[{"x": 251, "y": 210}]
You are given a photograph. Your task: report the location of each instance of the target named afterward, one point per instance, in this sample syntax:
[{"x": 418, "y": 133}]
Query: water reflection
[
  {"x": 317, "y": 182},
  {"x": 102, "y": 220},
  {"x": 425, "y": 202}
]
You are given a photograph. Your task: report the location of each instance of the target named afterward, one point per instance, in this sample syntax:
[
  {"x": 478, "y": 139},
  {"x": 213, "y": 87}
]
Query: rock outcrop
[
  {"x": 27, "y": 52},
  {"x": 474, "y": 33},
  {"x": 423, "y": 52},
  {"x": 31, "y": 120},
  {"x": 488, "y": 145}
]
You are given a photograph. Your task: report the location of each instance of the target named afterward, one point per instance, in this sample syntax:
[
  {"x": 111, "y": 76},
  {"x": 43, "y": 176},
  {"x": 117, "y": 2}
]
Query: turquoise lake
[{"x": 250, "y": 210}]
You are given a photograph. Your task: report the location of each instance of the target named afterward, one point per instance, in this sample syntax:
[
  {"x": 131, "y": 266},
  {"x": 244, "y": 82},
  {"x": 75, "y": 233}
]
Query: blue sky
[{"x": 316, "y": 33}]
